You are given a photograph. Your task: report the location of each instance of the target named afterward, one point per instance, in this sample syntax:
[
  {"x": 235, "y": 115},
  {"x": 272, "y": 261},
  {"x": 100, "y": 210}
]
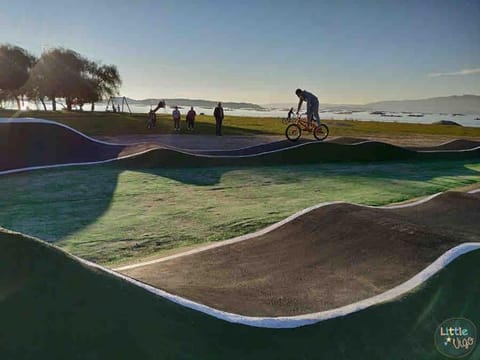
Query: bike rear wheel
[
  {"x": 321, "y": 132},
  {"x": 293, "y": 132}
]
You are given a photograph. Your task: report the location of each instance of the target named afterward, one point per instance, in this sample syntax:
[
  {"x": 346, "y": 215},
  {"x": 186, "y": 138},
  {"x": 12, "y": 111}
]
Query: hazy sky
[{"x": 260, "y": 51}]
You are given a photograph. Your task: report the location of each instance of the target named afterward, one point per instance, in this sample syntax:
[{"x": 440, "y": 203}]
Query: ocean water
[{"x": 462, "y": 119}]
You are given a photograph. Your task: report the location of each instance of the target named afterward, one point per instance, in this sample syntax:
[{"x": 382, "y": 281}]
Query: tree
[
  {"x": 105, "y": 82},
  {"x": 15, "y": 66},
  {"x": 59, "y": 73},
  {"x": 63, "y": 73}
]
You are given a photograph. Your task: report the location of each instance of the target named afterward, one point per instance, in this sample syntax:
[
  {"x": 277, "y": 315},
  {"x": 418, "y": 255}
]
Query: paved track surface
[
  {"x": 33, "y": 144},
  {"x": 327, "y": 258}
]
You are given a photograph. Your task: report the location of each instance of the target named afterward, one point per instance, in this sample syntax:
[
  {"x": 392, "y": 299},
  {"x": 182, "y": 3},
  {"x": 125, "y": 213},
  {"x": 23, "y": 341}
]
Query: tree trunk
[
  {"x": 43, "y": 103},
  {"x": 93, "y": 106},
  {"x": 18, "y": 103},
  {"x": 69, "y": 103},
  {"x": 54, "y": 104}
]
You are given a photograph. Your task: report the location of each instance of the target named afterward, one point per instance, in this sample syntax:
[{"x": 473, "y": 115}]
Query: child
[
  {"x": 290, "y": 113},
  {"x": 152, "y": 119},
  {"x": 176, "y": 118}
]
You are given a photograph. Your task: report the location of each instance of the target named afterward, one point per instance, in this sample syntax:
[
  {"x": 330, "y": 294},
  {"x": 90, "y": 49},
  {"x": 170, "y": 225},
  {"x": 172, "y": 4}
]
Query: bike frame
[{"x": 304, "y": 123}]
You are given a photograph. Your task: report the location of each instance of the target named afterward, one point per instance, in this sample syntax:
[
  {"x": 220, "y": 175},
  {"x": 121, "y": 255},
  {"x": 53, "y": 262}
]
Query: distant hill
[
  {"x": 197, "y": 102},
  {"x": 456, "y": 104},
  {"x": 464, "y": 104},
  {"x": 323, "y": 106}
]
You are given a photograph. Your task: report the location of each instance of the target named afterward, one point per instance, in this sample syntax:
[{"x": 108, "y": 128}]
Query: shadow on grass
[
  {"x": 410, "y": 171},
  {"x": 55, "y": 203},
  {"x": 52, "y": 204}
]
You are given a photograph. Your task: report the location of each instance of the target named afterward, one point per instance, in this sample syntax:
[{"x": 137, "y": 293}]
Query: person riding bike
[{"x": 312, "y": 105}]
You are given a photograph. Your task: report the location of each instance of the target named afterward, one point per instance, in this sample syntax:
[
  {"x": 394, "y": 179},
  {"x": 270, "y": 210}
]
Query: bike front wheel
[
  {"x": 321, "y": 132},
  {"x": 293, "y": 132}
]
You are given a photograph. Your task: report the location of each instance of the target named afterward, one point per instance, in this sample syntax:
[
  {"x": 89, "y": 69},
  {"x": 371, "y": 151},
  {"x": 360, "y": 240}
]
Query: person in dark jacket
[
  {"x": 218, "y": 113},
  {"x": 191, "y": 118}
]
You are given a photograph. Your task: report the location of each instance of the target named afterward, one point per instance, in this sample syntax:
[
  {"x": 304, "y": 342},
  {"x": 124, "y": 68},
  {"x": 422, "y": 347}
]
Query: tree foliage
[
  {"x": 15, "y": 66},
  {"x": 59, "y": 73}
]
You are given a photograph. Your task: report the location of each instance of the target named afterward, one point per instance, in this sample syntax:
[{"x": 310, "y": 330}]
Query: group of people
[
  {"x": 218, "y": 113},
  {"x": 176, "y": 115}
]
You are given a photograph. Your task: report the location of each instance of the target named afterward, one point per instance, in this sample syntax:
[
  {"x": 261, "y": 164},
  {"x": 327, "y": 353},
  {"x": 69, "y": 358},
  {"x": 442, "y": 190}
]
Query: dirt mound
[
  {"x": 447, "y": 122},
  {"x": 347, "y": 140},
  {"x": 35, "y": 144},
  {"x": 257, "y": 149},
  {"x": 28, "y": 144},
  {"x": 458, "y": 144},
  {"x": 53, "y": 306},
  {"x": 329, "y": 257}
]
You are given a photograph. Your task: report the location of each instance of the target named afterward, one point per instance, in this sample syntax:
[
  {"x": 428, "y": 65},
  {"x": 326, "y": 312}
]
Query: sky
[{"x": 344, "y": 51}]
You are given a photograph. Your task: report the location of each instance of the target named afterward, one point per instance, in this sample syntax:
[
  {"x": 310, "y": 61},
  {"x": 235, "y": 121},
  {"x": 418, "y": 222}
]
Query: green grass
[
  {"x": 102, "y": 123},
  {"x": 52, "y": 307},
  {"x": 110, "y": 215}
]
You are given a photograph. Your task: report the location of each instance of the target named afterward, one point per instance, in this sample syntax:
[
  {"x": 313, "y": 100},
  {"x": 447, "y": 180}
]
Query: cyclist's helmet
[{"x": 298, "y": 92}]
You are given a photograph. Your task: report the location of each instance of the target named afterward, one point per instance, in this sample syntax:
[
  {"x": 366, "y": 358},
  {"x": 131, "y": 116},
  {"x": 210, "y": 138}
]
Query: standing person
[
  {"x": 176, "y": 118},
  {"x": 218, "y": 113},
  {"x": 152, "y": 119},
  {"x": 191, "y": 118},
  {"x": 290, "y": 113},
  {"x": 312, "y": 105}
]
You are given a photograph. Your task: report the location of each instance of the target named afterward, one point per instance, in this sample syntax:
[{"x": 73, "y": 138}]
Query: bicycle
[{"x": 294, "y": 131}]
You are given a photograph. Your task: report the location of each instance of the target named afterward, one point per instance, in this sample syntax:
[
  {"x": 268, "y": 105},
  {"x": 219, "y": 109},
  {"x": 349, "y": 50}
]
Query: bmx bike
[{"x": 300, "y": 124}]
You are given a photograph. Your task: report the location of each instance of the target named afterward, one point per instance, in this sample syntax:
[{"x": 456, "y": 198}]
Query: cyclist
[{"x": 312, "y": 105}]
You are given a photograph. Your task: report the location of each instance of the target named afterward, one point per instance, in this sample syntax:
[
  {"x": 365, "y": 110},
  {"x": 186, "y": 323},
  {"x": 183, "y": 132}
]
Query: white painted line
[
  {"x": 50, "y": 122},
  {"x": 32, "y": 120},
  {"x": 286, "y": 322},
  {"x": 42, "y": 167},
  {"x": 444, "y": 151},
  {"x": 43, "y": 121},
  {"x": 270, "y": 229},
  {"x": 230, "y": 150}
]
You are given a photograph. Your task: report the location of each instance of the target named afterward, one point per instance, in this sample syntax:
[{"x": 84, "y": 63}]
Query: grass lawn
[
  {"x": 111, "y": 124},
  {"x": 110, "y": 215}
]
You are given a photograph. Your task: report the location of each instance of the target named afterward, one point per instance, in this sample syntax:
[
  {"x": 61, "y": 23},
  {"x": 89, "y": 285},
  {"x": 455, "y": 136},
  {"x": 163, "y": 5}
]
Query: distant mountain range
[
  {"x": 456, "y": 104},
  {"x": 197, "y": 103},
  {"x": 464, "y": 104}
]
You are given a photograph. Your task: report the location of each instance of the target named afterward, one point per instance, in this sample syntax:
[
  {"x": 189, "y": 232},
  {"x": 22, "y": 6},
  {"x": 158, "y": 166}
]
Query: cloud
[{"x": 461, "y": 72}]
